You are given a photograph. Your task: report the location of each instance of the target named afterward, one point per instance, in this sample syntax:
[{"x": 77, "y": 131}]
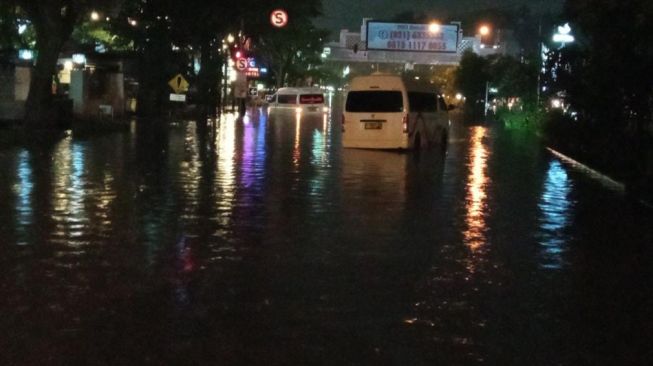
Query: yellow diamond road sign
[{"x": 178, "y": 84}]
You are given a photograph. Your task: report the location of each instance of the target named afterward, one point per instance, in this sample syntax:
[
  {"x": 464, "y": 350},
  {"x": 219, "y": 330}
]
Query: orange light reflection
[
  {"x": 476, "y": 192},
  {"x": 296, "y": 153}
]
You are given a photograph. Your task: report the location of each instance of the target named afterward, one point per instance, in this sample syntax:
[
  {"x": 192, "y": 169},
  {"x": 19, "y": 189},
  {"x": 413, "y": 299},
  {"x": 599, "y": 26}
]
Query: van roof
[
  {"x": 391, "y": 81},
  {"x": 301, "y": 90}
]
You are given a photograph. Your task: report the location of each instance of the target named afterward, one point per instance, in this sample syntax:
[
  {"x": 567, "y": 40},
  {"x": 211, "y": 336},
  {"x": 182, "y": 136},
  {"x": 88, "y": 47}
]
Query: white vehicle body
[
  {"x": 304, "y": 100},
  {"x": 386, "y": 112}
]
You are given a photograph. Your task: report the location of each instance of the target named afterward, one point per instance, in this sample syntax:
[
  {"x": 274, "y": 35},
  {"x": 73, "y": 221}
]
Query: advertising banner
[{"x": 411, "y": 37}]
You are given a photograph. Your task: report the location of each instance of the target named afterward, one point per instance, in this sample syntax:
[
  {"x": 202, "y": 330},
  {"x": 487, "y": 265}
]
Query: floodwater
[{"x": 260, "y": 241}]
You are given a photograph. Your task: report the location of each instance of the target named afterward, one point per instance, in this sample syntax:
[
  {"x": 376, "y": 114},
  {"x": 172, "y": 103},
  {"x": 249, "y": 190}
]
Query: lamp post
[{"x": 226, "y": 47}]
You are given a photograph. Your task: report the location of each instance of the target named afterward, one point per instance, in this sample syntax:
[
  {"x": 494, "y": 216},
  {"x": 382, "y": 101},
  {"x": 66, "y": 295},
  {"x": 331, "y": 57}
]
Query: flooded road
[{"x": 262, "y": 242}]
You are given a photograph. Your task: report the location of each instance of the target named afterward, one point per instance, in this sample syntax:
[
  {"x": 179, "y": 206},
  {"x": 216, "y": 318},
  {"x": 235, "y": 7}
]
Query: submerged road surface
[{"x": 263, "y": 242}]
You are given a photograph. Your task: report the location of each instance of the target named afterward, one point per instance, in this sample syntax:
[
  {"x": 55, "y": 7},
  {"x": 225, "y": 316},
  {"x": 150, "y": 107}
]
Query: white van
[
  {"x": 387, "y": 112},
  {"x": 302, "y": 100}
]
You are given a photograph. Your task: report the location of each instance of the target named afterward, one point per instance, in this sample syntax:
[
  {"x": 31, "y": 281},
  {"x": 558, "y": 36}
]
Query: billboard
[{"x": 386, "y": 36}]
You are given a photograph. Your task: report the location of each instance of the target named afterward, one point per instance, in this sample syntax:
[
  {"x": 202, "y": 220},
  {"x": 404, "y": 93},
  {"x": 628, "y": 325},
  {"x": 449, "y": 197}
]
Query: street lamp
[
  {"x": 434, "y": 27},
  {"x": 95, "y": 16},
  {"x": 484, "y": 31}
]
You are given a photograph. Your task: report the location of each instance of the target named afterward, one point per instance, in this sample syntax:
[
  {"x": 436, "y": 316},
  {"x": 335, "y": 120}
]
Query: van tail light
[
  {"x": 343, "y": 122},
  {"x": 405, "y": 123}
]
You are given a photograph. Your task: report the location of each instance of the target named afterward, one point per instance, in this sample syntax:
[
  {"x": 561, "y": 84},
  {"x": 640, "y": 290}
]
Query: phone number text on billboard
[{"x": 411, "y": 37}]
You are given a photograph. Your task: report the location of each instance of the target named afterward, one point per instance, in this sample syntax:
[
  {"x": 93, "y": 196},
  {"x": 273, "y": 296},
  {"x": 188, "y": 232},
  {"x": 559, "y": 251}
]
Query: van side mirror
[{"x": 451, "y": 107}]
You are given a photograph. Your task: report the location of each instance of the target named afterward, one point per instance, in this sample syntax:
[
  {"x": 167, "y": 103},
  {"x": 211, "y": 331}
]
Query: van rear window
[
  {"x": 374, "y": 101},
  {"x": 311, "y": 99},
  {"x": 287, "y": 99},
  {"x": 423, "y": 102}
]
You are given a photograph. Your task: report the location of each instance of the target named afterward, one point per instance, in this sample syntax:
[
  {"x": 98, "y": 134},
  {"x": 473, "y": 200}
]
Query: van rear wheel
[
  {"x": 444, "y": 140},
  {"x": 417, "y": 142}
]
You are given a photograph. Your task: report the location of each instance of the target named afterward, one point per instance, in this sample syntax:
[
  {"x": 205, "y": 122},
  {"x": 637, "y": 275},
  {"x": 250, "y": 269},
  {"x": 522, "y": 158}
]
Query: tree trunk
[
  {"x": 152, "y": 77},
  {"x": 39, "y": 110},
  {"x": 53, "y": 23},
  {"x": 280, "y": 76},
  {"x": 207, "y": 82}
]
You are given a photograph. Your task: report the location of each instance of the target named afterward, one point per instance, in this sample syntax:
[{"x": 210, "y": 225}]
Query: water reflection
[
  {"x": 251, "y": 172},
  {"x": 189, "y": 172},
  {"x": 296, "y": 153},
  {"x": 477, "y": 186},
  {"x": 555, "y": 208},
  {"x": 70, "y": 191},
  {"x": 226, "y": 172},
  {"x": 322, "y": 144},
  {"x": 374, "y": 187},
  {"x": 260, "y": 238},
  {"x": 254, "y": 152},
  {"x": 23, "y": 191}
]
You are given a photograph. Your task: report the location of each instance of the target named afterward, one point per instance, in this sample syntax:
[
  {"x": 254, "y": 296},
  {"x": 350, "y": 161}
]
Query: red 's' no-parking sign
[{"x": 279, "y": 18}]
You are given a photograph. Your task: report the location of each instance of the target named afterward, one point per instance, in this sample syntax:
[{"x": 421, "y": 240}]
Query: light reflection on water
[
  {"x": 225, "y": 194},
  {"x": 476, "y": 199},
  {"x": 70, "y": 192},
  {"x": 189, "y": 167},
  {"x": 555, "y": 207},
  {"x": 296, "y": 154},
  {"x": 23, "y": 191},
  {"x": 266, "y": 236}
]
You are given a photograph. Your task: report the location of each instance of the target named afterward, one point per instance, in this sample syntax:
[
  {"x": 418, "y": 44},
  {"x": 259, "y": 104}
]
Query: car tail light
[
  {"x": 343, "y": 122},
  {"x": 405, "y": 123}
]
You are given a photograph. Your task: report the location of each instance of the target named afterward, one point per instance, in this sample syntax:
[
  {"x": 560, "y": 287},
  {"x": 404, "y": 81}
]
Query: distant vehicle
[
  {"x": 269, "y": 98},
  {"x": 385, "y": 111},
  {"x": 301, "y": 100}
]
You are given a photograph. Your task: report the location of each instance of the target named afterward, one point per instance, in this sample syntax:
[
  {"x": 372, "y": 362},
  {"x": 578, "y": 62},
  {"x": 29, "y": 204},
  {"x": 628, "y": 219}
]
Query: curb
[{"x": 596, "y": 175}]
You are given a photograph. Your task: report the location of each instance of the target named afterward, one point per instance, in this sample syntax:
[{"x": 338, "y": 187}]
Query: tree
[
  {"x": 293, "y": 52},
  {"x": 471, "y": 78},
  {"x": 53, "y": 21},
  {"x": 171, "y": 34},
  {"x": 9, "y": 37},
  {"x": 513, "y": 78},
  {"x": 616, "y": 64},
  {"x": 607, "y": 77}
]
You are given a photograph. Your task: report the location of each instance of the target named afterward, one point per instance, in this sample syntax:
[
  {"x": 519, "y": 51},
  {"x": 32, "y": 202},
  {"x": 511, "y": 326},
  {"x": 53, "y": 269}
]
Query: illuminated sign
[
  {"x": 564, "y": 34},
  {"x": 177, "y": 97},
  {"x": 412, "y": 37},
  {"x": 241, "y": 64},
  {"x": 79, "y": 58},
  {"x": 252, "y": 73},
  {"x": 563, "y": 38},
  {"x": 25, "y": 54},
  {"x": 279, "y": 18}
]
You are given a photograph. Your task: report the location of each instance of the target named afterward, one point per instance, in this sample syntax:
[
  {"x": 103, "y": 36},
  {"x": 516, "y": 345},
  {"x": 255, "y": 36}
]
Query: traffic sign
[
  {"x": 178, "y": 84},
  {"x": 279, "y": 18},
  {"x": 253, "y": 92},
  {"x": 241, "y": 64},
  {"x": 177, "y": 97}
]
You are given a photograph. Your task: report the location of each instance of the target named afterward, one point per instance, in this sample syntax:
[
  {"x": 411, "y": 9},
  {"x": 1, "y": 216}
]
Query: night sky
[{"x": 340, "y": 14}]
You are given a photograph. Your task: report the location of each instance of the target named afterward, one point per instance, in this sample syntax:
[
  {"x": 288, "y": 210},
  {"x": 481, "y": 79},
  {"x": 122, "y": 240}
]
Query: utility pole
[
  {"x": 539, "y": 54},
  {"x": 487, "y": 92},
  {"x": 225, "y": 80}
]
